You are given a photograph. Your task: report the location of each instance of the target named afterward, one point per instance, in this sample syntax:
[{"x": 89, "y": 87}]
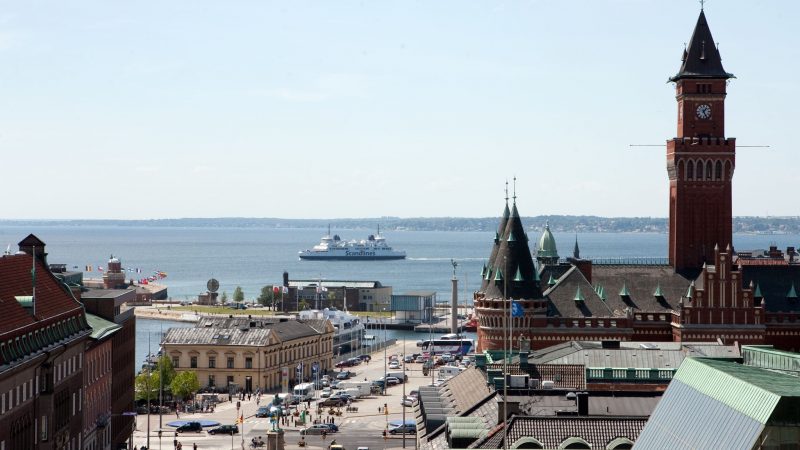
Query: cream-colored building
[{"x": 248, "y": 353}]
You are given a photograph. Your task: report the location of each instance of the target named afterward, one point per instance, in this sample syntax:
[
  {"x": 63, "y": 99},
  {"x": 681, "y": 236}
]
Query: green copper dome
[{"x": 547, "y": 244}]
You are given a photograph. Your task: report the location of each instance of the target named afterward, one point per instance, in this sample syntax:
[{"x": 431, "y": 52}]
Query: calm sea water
[{"x": 255, "y": 257}]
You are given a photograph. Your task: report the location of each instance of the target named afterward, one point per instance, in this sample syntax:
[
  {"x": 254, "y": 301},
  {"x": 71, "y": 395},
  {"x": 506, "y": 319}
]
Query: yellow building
[{"x": 248, "y": 353}]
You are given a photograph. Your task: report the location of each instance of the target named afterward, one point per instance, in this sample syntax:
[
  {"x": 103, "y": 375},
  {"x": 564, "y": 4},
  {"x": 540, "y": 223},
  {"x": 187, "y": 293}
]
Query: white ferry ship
[
  {"x": 334, "y": 248},
  {"x": 449, "y": 343},
  {"x": 349, "y": 329}
]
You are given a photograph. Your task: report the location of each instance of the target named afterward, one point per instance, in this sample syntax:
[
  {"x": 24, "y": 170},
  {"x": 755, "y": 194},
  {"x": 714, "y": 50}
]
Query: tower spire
[{"x": 515, "y": 190}]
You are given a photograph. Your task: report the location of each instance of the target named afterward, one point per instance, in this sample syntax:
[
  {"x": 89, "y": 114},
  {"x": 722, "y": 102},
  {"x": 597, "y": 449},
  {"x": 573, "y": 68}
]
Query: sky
[{"x": 330, "y": 109}]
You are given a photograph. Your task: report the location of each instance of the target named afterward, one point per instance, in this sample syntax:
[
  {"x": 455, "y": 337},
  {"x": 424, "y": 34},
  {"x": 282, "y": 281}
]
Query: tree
[
  {"x": 146, "y": 386},
  {"x": 266, "y": 298},
  {"x": 302, "y": 305},
  {"x": 238, "y": 295},
  {"x": 224, "y": 298},
  {"x": 165, "y": 368},
  {"x": 185, "y": 384}
]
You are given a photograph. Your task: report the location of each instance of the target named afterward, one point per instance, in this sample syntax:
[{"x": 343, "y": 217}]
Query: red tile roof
[{"x": 52, "y": 298}]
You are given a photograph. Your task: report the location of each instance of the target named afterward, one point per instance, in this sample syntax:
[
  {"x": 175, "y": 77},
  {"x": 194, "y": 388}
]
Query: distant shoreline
[{"x": 558, "y": 223}]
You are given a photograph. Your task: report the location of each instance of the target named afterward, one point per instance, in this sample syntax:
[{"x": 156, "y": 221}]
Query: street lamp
[{"x": 385, "y": 360}]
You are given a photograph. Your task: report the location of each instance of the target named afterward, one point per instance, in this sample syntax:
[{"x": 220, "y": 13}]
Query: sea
[{"x": 255, "y": 257}]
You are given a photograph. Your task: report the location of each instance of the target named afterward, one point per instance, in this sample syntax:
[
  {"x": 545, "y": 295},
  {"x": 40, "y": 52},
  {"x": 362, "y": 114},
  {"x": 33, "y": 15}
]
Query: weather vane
[
  {"x": 702, "y": 3},
  {"x": 455, "y": 264}
]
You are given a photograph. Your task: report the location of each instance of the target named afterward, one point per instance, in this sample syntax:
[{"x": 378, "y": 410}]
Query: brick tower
[{"x": 700, "y": 160}]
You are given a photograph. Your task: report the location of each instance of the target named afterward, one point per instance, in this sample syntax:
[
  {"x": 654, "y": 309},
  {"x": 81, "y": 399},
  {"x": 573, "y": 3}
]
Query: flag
[
  {"x": 88, "y": 268},
  {"x": 516, "y": 309},
  {"x": 275, "y": 290},
  {"x": 285, "y": 289},
  {"x": 99, "y": 268},
  {"x": 138, "y": 270}
]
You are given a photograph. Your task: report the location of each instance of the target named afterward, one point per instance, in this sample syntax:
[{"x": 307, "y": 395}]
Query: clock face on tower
[{"x": 703, "y": 112}]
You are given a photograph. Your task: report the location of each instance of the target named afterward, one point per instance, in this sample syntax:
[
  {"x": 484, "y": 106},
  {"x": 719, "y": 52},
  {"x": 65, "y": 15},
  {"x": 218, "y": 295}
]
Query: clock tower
[{"x": 700, "y": 159}]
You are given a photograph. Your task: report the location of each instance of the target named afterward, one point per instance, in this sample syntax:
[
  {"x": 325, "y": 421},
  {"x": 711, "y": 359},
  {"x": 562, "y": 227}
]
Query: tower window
[
  {"x": 708, "y": 170},
  {"x": 690, "y": 170},
  {"x": 718, "y": 171}
]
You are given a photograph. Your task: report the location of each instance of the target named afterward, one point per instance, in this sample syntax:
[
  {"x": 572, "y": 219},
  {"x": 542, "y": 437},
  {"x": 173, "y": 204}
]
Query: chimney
[
  {"x": 33, "y": 244},
  {"x": 583, "y": 403},
  {"x": 523, "y": 361}
]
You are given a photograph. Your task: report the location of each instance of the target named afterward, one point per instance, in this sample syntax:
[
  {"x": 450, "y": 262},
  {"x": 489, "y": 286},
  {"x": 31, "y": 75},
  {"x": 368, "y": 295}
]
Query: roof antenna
[
  {"x": 515, "y": 190},
  {"x": 506, "y": 191},
  {"x": 702, "y": 3}
]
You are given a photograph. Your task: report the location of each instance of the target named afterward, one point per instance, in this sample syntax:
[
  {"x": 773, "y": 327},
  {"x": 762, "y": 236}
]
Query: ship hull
[{"x": 350, "y": 258}]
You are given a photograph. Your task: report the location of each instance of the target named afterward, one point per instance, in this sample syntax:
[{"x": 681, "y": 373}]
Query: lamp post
[{"x": 385, "y": 360}]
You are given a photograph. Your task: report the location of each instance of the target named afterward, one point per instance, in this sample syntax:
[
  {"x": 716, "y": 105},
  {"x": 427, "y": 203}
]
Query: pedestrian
[
  {"x": 194, "y": 447},
  {"x": 178, "y": 446}
]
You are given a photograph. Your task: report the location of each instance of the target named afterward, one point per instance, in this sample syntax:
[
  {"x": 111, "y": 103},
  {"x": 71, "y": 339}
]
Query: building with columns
[{"x": 704, "y": 291}]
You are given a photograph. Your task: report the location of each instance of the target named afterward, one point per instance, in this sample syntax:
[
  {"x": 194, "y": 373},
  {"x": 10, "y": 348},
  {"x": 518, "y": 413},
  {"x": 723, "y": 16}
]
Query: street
[{"x": 362, "y": 428}]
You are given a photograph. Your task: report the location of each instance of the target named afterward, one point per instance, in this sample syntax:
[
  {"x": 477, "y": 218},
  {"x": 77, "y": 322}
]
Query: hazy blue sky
[{"x": 153, "y": 109}]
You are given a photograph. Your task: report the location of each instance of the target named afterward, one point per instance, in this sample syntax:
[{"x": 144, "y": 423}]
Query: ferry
[
  {"x": 449, "y": 343},
  {"x": 334, "y": 248},
  {"x": 349, "y": 329}
]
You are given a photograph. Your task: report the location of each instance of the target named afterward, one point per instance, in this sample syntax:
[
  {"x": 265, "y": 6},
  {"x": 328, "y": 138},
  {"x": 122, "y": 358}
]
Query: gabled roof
[
  {"x": 101, "y": 328},
  {"x": 774, "y": 284},
  {"x": 31, "y": 240},
  {"x": 701, "y": 58},
  {"x": 574, "y": 296},
  {"x": 52, "y": 297},
  {"x": 513, "y": 256}
]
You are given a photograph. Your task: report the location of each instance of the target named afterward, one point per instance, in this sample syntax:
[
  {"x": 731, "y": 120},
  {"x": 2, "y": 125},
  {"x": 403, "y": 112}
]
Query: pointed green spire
[
  {"x": 792, "y": 292},
  {"x": 498, "y": 275},
  {"x": 536, "y": 275},
  {"x": 518, "y": 276},
  {"x": 488, "y": 274},
  {"x": 602, "y": 293},
  {"x": 496, "y": 237},
  {"x": 483, "y": 271},
  {"x": 690, "y": 291},
  {"x": 758, "y": 291},
  {"x": 624, "y": 292},
  {"x": 551, "y": 281},
  {"x": 658, "y": 293},
  {"x": 578, "y": 295},
  {"x": 511, "y": 237}
]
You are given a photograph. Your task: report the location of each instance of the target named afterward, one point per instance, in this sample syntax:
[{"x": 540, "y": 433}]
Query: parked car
[
  {"x": 262, "y": 411},
  {"x": 224, "y": 429},
  {"x": 354, "y": 361},
  {"x": 326, "y": 392},
  {"x": 345, "y": 374},
  {"x": 394, "y": 365},
  {"x": 408, "y": 359},
  {"x": 419, "y": 359},
  {"x": 342, "y": 364},
  {"x": 446, "y": 357},
  {"x": 408, "y": 401},
  {"x": 333, "y": 427},
  {"x": 365, "y": 357},
  {"x": 404, "y": 428},
  {"x": 316, "y": 429},
  {"x": 391, "y": 381},
  {"x": 333, "y": 401},
  {"x": 189, "y": 426}
]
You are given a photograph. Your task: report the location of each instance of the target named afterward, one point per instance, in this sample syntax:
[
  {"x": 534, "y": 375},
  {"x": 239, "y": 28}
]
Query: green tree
[
  {"x": 146, "y": 386},
  {"x": 224, "y": 298},
  {"x": 302, "y": 305},
  {"x": 165, "y": 368},
  {"x": 266, "y": 298},
  {"x": 238, "y": 295},
  {"x": 184, "y": 385}
]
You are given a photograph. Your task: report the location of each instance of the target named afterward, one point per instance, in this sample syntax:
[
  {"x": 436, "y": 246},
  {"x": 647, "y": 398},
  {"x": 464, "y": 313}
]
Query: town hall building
[{"x": 706, "y": 291}]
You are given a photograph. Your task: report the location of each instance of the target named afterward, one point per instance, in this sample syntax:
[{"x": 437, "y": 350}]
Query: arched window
[
  {"x": 690, "y": 170},
  {"x": 718, "y": 171},
  {"x": 620, "y": 443},
  {"x": 527, "y": 442},
  {"x": 709, "y": 173},
  {"x": 574, "y": 443}
]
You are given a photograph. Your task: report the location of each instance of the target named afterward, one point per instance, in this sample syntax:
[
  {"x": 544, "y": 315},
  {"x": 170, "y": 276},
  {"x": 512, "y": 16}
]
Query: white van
[
  {"x": 304, "y": 391},
  {"x": 449, "y": 372},
  {"x": 357, "y": 389},
  {"x": 399, "y": 374}
]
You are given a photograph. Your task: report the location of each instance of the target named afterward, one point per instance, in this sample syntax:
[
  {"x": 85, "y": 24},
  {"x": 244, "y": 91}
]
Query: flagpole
[
  {"x": 505, "y": 360},
  {"x": 33, "y": 280}
]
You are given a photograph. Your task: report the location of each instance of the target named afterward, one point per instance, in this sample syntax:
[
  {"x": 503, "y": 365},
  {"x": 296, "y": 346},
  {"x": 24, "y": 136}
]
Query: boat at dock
[
  {"x": 349, "y": 331},
  {"x": 334, "y": 248}
]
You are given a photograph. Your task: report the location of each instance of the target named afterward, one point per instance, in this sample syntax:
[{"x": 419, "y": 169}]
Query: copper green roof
[
  {"x": 101, "y": 328},
  {"x": 483, "y": 271},
  {"x": 551, "y": 281},
  {"x": 658, "y": 293},
  {"x": 752, "y": 391},
  {"x": 624, "y": 292},
  {"x": 26, "y": 301},
  {"x": 547, "y": 244},
  {"x": 757, "y": 294},
  {"x": 488, "y": 273},
  {"x": 601, "y": 292},
  {"x": 498, "y": 275},
  {"x": 690, "y": 291},
  {"x": 792, "y": 292},
  {"x": 518, "y": 276},
  {"x": 578, "y": 295},
  {"x": 511, "y": 237}
]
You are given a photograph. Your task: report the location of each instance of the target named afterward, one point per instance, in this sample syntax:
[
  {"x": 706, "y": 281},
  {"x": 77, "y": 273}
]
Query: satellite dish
[{"x": 212, "y": 285}]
